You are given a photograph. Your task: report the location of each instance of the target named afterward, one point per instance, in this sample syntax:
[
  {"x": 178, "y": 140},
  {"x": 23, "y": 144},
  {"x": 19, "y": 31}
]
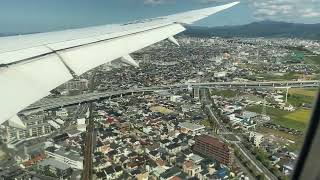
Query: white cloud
[{"x": 285, "y": 10}]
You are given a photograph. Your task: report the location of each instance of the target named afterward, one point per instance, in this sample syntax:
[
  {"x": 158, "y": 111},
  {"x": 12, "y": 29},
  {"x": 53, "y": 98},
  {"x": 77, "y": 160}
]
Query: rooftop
[
  {"x": 212, "y": 141},
  {"x": 54, "y": 163},
  {"x": 191, "y": 126}
]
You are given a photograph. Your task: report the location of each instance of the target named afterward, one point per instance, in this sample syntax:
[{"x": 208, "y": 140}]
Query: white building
[
  {"x": 234, "y": 119},
  {"x": 72, "y": 158},
  {"x": 63, "y": 113},
  {"x": 59, "y": 121},
  {"x": 220, "y": 74},
  {"x": 81, "y": 84},
  {"x": 256, "y": 138},
  {"x": 54, "y": 124},
  {"x": 36, "y": 125},
  {"x": 187, "y": 127},
  {"x": 175, "y": 98},
  {"x": 81, "y": 124}
]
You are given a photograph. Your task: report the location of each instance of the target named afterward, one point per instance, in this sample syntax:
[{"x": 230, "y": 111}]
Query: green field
[
  {"x": 224, "y": 93},
  {"x": 296, "y": 120},
  {"x": 312, "y": 60},
  {"x": 297, "y": 97},
  {"x": 206, "y": 123},
  {"x": 304, "y": 92},
  {"x": 301, "y": 115},
  {"x": 277, "y": 77}
]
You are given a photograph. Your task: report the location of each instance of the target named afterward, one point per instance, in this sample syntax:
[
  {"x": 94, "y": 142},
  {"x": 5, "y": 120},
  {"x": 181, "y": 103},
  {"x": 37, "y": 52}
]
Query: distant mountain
[
  {"x": 255, "y": 29},
  {"x": 260, "y": 29}
]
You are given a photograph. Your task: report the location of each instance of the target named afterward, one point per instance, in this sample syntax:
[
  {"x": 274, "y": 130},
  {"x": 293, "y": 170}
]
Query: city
[{"x": 210, "y": 108}]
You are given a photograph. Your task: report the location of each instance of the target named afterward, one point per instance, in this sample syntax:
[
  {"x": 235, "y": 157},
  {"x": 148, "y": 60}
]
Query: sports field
[{"x": 161, "y": 109}]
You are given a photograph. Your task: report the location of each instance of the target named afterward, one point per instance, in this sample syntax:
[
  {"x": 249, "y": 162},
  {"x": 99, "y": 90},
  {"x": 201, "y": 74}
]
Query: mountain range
[{"x": 260, "y": 29}]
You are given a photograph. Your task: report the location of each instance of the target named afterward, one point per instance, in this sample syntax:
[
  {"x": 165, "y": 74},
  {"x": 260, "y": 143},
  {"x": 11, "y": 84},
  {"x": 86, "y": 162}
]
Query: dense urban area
[{"x": 177, "y": 116}]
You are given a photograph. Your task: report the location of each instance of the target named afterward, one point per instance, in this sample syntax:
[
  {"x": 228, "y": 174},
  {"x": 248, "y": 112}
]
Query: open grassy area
[
  {"x": 206, "y": 123},
  {"x": 277, "y": 133},
  {"x": 297, "y": 97},
  {"x": 304, "y": 92},
  {"x": 296, "y": 120},
  {"x": 224, "y": 93},
  {"x": 161, "y": 109},
  {"x": 3, "y": 155},
  {"x": 292, "y": 147},
  {"x": 312, "y": 60},
  {"x": 301, "y": 115},
  {"x": 277, "y": 76}
]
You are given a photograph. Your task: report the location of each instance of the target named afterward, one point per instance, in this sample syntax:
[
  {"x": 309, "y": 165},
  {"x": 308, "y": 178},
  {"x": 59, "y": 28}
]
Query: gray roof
[
  {"x": 71, "y": 154},
  {"x": 54, "y": 163},
  {"x": 191, "y": 126}
]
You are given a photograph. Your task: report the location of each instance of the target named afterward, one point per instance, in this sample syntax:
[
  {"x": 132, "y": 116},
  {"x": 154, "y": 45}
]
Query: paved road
[
  {"x": 244, "y": 169},
  {"x": 52, "y": 103},
  {"x": 260, "y": 167}
]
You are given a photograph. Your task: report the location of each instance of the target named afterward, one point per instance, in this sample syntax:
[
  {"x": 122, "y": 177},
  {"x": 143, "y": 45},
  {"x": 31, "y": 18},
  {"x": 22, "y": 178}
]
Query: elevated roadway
[{"x": 53, "y": 103}]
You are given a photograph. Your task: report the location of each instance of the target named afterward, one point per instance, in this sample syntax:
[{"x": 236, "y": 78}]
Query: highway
[{"x": 53, "y": 103}]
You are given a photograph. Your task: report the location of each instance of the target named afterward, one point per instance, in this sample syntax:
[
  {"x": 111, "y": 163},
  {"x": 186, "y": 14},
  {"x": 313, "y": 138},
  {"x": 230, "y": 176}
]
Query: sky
[{"x": 25, "y": 16}]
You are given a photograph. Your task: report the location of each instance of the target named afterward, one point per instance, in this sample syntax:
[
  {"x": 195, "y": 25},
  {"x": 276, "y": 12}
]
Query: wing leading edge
[{"x": 32, "y": 65}]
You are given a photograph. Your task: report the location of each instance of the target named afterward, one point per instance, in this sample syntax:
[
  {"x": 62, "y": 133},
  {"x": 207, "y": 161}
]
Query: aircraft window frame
[{"x": 308, "y": 163}]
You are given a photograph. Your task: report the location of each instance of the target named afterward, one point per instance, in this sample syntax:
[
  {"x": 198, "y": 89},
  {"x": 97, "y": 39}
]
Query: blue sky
[{"x": 22, "y": 16}]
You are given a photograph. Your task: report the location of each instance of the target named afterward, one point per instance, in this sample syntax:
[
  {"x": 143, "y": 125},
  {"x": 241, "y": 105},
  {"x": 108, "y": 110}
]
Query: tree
[
  {"x": 47, "y": 172},
  {"x": 260, "y": 177}
]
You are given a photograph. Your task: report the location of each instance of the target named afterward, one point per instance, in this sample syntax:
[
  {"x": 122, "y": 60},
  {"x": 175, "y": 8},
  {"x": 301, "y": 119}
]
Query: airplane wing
[{"x": 32, "y": 65}]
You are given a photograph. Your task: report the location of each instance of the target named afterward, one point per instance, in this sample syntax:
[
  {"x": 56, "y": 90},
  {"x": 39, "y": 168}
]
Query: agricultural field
[
  {"x": 313, "y": 60},
  {"x": 277, "y": 76},
  {"x": 301, "y": 115},
  {"x": 297, "y": 119},
  {"x": 224, "y": 93},
  {"x": 304, "y": 92},
  {"x": 297, "y": 97}
]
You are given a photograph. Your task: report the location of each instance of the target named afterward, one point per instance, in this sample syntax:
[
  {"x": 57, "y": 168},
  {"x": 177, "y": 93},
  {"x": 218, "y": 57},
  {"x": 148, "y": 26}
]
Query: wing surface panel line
[{"x": 74, "y": 75}]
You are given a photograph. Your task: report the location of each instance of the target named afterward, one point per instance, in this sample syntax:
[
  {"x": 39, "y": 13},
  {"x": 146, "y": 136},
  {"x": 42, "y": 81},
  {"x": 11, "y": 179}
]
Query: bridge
[{"x": 54, "y": 103}]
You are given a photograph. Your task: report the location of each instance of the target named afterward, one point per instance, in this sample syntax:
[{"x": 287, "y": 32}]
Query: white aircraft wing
[{"x": 32, "y": 65}]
